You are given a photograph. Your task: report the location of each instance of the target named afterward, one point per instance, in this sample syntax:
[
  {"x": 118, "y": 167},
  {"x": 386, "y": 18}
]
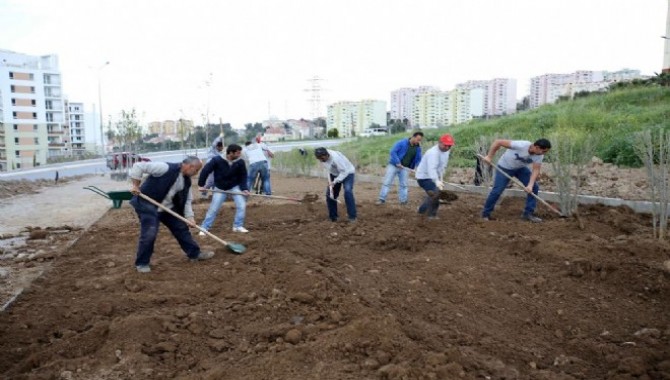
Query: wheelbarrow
[{"x": 117, "y": 197}]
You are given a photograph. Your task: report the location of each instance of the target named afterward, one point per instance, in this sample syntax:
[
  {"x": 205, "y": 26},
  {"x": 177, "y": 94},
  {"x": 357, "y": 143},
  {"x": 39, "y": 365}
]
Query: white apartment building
[
  {"x": 32, "y": 113},
  {"x": 432, "y": 110},
  {"x": 548, "y": 88},
  {"x": 467, "y": 104},
  {"x": 402, "y": 101},
  {"x": 352, "y": 118},
  {"x": 75, "y": 118},
  {"x": 499, "y": 95}
]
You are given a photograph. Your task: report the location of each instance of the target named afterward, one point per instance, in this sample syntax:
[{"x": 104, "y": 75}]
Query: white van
[{"x": 374, "y": 132}]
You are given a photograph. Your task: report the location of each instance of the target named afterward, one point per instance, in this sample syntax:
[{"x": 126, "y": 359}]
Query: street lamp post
[{"x": 102, "y": 134}]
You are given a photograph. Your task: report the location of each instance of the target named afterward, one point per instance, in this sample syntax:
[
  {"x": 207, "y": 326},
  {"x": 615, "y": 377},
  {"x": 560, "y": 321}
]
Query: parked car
[
  {"x": 374, "y": 132},
  {"x": 123, "y": 160}
]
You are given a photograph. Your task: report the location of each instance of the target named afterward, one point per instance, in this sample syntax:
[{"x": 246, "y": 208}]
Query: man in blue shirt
[{"x": 405, "y": 155}]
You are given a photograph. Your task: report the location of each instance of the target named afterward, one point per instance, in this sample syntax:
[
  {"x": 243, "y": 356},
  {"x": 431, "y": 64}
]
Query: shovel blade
[{"x": 236, "y": 248}]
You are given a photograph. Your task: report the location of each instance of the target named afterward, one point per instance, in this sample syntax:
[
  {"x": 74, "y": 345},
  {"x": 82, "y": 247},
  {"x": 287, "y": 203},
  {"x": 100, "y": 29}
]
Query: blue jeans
[
  {"x": 500, "y": 183},
  {"x": 217, "y": 201},
  {"x": 348, "y": 198},
  {"x": 391, "y": 172},
  {"x": 432, "y": 201},
  {"x": 149, "y": 223},
  {"x": 263, "y": 168}
]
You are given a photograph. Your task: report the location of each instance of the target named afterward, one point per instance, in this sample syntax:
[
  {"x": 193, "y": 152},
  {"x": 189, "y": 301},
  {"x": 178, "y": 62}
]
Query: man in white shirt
[
  {"x": 340, "y": 173},
  {"x": 257, "y": 154},
  {"x": 515, "y": 163},
  {"x": 429, "y": 174}
]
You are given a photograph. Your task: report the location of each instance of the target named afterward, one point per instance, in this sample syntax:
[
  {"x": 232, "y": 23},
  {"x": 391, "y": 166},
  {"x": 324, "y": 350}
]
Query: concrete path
[{"x": 66, "y": 204}]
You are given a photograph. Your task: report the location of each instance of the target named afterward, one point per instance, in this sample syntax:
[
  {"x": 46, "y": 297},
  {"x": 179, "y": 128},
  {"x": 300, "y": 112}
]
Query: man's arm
[
  {"x": 533, "y": 176},
  {"x": 267, "y": 151},
  {"x": 342, "y": 168},
  {"x": 495, "y": 147},
  {"x": 204, "y": 173},
  {"x": 155, "y": 169},
  {"x": 395, "y": 159}
]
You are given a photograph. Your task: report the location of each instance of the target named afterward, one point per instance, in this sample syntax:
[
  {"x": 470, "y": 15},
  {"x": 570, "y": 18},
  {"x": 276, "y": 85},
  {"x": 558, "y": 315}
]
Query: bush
[{"x": 621, "y": 152}]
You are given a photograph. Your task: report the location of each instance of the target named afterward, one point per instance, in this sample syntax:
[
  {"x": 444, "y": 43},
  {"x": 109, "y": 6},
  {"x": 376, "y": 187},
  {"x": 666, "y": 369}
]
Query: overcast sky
[{"x": 261, "y": 53}]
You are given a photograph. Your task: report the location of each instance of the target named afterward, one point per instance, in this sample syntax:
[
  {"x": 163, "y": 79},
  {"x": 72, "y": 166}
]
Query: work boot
[
  {"x": 204, "y": 255},
  {"x": 531, "y": 218},
  {"x": 143, "y": 268}
]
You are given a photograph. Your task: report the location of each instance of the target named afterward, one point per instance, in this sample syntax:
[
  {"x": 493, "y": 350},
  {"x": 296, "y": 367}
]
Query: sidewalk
[{"x": 67, "y": 204}]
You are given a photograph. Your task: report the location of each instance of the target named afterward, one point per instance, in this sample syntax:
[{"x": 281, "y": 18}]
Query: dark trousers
[
  {"x": 432, "y": 201},
  {"x": 500, "y": 183},
  {"x": 149, "y": 223},
  {"x": 348, "y": 197}
]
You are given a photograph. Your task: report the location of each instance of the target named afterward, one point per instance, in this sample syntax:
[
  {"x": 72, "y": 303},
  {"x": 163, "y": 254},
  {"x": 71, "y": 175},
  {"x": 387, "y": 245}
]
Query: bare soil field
[{"x": 393, "y": 296}]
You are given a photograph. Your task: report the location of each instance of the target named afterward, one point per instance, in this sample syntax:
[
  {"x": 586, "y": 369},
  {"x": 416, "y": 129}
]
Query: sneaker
[
  {"x": 352, "y": 220},
  {"x": 531, "y": 218},
  {"x": 380, "y": 202},
  {"x": 201, "y": 233},
  {"x": 486, "y": 219},
  {"x": 240, "y": 229},
  {"x": 143, "y": 268},
  {"x": 204, "y": 255}
]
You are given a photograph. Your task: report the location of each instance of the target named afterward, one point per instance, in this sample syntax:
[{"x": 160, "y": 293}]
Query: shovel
[
  {"x": 306, "y": 198},
  {"x": 234, "y": 247},
  {"x": 515, "y": 180}
]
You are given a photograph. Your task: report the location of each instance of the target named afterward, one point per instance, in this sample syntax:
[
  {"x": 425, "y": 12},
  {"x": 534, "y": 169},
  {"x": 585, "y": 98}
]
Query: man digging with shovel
[
  {"x": 169, "y": 185},
  {"x": 429, "y": 174},
  {"x": 514, "y": 162}
]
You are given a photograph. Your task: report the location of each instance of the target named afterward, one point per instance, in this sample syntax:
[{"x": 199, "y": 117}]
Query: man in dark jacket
[
  {"x": 170, "y": 185},
  {"x": 230, "y": 174},
  {"x": 405, "y": 155}
]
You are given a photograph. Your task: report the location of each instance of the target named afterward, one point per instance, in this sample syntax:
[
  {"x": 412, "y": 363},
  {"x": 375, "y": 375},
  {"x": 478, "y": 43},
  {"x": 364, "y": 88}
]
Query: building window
[
  {"x": 11, "y": 75},
  {"x": 18, "y": 165},
  {"x": 14, "y": 115},
  {"x": 34, "y": 127},
  {"x": 12, "y": 88},
  {"x": 34, "y": 115},
  {"x": 37, "y": 141},
  {"x": 16, "y": 140},
  {"x": 33, "y": 102},
  {"x": 32, "y": 89},
  {"x": 16, "y": 127},
  {"x": 17, "y": 153}
]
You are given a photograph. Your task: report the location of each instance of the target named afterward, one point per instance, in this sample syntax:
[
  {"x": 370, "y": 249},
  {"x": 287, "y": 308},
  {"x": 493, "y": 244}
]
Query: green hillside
[{"x": 612, "y": 118}]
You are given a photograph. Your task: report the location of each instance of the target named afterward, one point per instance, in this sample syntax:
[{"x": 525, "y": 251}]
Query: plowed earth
[{"x": 393, "y": 296}]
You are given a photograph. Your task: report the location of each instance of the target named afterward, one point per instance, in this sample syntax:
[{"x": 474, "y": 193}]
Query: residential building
[
  {"x": 499, "y": 95},
  {"x": 75, "y": 118},
  {"x": 352, "y": 118},
  {"x": 402, "y": 101},
  {"x": 432, "y": 110},
  {"x": 173, "y": 130},
  {"x": 548, "y": 88},
  {"x": 32, "y": 112}
]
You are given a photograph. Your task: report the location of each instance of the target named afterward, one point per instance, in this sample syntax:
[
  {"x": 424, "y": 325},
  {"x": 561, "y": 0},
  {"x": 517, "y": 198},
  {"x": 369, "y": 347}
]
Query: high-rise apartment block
[
  {"x": 432, "y": 108},
  {"x": 548, "y": 88},
  {"x": 352, "y": 118},
  {"x": 32, "y": 112},
  {"x": 75, "y": 118},
  {"x": 402, "y": 101},
  {"x": 499, "y": 95}
]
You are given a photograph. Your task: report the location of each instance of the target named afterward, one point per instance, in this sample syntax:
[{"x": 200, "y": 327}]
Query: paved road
[{"x": 97, "y": 166}]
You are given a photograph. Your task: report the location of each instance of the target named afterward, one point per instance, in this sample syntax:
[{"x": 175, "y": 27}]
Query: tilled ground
[{"x": 393, "y": 296}]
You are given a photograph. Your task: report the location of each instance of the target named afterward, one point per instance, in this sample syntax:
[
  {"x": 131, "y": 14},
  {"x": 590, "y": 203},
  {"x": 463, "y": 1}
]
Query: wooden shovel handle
[{"x": 153, "y": 202}]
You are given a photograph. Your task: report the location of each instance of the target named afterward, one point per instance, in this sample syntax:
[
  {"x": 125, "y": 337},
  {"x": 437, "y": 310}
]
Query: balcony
[
  {"x": 55, "y": 132},
  {"x": 56, "y": 145}
]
